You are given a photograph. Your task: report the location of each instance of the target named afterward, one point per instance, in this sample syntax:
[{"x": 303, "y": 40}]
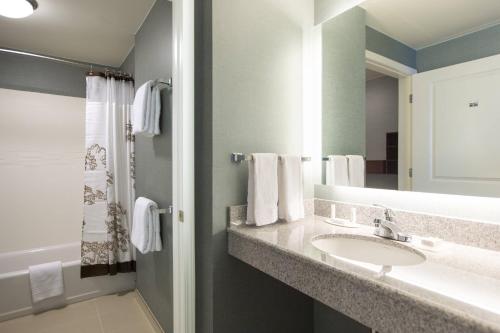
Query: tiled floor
[{"x": 107, "y": 314}]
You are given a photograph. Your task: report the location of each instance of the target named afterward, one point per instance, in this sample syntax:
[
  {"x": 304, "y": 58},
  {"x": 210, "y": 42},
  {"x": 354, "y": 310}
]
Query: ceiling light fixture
[{"x": 17, "y": 8}]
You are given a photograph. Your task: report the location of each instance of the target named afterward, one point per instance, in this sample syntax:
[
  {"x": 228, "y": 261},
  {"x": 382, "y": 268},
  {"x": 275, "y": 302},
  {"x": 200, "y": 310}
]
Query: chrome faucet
[{"x": 387, "y": 227}]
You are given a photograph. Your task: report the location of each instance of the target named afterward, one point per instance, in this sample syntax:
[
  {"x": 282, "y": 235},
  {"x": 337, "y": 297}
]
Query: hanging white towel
[
  {"x": 146, "y": 226},
  {"x": 147, "y": 110},
  {"x": 46, "y": 281},
  {"x": 356, "y": 170},
  {"x": 156, "y": 101},
  {"x": 337, "y": 171},
  {"x": 262, "y": 198},
  {"x": 291, "y": 191},
  {"x": 140, "y": 108}
]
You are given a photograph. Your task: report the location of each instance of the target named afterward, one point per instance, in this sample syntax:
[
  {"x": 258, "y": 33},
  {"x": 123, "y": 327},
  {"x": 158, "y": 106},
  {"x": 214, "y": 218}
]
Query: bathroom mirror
[{"x": 412, "y": 86}]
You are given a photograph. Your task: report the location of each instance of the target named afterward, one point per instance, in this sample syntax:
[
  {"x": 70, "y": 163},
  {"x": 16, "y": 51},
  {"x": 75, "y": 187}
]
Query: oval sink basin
[{"x": 377, "y": 251}]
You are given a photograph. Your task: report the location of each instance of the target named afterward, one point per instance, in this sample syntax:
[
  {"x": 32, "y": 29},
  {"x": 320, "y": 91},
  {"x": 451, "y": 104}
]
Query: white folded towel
[
  {"x": 146, "y": 110},
  {"x": 262, "y": 198},
  {"x": 337, "y": 171},
  {"x": 291, "y": 191},
  {"x": 46, "y": 281},
  {"x": 356, "y": 170},
  {"x": 146, "y": 226}
]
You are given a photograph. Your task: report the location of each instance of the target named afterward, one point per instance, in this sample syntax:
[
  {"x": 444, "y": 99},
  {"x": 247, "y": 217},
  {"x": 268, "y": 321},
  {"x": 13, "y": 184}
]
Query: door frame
[
  {"x": 183, "y": 167},
  {"x": 403, "y": 73}
]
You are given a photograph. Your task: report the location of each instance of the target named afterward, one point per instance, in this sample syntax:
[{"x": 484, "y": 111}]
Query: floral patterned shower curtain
[{"x": 109, "y": 177}]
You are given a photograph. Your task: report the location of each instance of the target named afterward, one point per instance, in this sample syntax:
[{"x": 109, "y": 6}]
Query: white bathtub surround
[
  {"x": 46, "y": 281},
  {"x": 262, "y": 189},
  {"x": 15, "y": 300},
  {"x": 109, "y": 178},
  {"x": 291, "y": 188},
  {"x": 146, "y": 226}
]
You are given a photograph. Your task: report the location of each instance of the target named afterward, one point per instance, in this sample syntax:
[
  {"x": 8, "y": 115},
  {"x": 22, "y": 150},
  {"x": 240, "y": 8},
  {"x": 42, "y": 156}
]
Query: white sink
[{"x": 377, "y": 251}]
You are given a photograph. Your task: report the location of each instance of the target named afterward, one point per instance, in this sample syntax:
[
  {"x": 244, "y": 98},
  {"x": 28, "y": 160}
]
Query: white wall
[
  {"x": 381, "y": 115},
  {"x": 42, "y": 146}
]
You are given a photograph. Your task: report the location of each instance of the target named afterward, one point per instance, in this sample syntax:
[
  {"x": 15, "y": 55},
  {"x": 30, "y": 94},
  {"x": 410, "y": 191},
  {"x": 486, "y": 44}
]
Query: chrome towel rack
[
  {"x": 240, "y": 157},
  {"x": 326, "y": 158},
  {"x": 166, "y": 82}
]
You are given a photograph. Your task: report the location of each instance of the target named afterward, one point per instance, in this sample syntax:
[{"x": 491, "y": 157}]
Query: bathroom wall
[
  {"x": 327, "y": 320},
  {"x": 29, "y": 73},
  {"x": 343, "y": 122},
  {"x": 42, "y": 149},
  {"x": 473, "y": 46},
  {"x": 326, "y": 9},
  {"x": 390, "y": 48},
  {"x": 254, "y": 89},
  {"x": 480, "y": 44},
  {"x": 152, "y": 56},
  {"x": 381, "y": 115}
]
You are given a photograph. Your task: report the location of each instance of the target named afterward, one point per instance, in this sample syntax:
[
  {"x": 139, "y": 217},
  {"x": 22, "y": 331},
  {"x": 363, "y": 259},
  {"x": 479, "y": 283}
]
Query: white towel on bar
[
  {"x": 337, "y": 171},
  {"x": 291, "y": 191},
  {"x": 46, "y": 281},
  {"x": 356, "y": 170},
  {"x": 262, "y": 197},
  {"x": 146, "y": 110},
  {"x": 146, "y": 226}
]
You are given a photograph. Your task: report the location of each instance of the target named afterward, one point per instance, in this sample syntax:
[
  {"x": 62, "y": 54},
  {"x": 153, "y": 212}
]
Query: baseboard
[{"x": 142, "y": 302}]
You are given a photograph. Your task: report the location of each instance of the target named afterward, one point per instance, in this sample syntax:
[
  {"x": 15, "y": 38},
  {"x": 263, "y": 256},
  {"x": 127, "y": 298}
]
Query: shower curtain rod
[{"x": 67, "y": 61}]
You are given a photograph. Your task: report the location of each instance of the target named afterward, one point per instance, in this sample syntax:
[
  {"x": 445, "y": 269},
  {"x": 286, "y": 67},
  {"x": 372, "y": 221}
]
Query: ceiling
[
  {"x": 95, "y": 31},
  {"x": 421, "y": 23}
]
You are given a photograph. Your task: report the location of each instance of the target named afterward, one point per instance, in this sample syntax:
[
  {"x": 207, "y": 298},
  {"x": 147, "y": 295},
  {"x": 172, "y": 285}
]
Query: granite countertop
[{"x": 457, "y": 288}]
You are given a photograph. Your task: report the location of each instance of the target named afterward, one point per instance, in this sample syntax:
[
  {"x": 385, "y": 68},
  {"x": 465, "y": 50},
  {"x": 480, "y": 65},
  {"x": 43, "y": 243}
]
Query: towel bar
[
  {"x": 167, "y": 82},
  {"x": 168, "y": 210},
  {"x": 240, "y": 157},
  {"x": 328, "y": 158}
]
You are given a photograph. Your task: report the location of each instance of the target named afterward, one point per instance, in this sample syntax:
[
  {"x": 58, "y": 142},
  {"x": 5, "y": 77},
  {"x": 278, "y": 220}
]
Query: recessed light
[{"x": 17, "y": 8}]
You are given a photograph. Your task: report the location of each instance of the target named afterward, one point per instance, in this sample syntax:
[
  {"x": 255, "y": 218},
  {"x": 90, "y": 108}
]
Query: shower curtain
[{"x": 108, "y": 178}]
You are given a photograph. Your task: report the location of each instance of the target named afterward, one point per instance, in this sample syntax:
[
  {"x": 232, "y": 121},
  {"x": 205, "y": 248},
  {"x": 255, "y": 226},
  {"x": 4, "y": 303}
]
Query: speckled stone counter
[{"x": 457, "y": 289}]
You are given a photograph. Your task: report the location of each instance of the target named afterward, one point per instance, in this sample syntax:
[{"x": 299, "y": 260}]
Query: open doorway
[{"x": 381, "y": 130}]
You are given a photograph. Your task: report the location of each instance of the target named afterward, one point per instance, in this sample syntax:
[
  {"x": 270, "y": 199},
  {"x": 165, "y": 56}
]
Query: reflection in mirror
[{"x": 413, "y": 96}]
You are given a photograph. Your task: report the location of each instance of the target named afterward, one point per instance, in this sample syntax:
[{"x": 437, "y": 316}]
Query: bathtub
[{"x": 15, "y": 293}]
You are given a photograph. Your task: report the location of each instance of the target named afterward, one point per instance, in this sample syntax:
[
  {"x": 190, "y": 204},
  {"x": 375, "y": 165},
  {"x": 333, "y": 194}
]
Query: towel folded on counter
[
  {"x": 356, "y": 170},
  {"x": 46, "y": 281},
  {"x": 262, "y": 189},
  {"x": 146, "y": 226},
  {"x": 146, "y": 110},
  {"x": 291, "y": 192},
  {"x": 337, "y": 172}
]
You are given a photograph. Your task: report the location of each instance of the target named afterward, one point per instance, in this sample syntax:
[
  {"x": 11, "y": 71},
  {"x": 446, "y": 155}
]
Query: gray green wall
[
  {"x": 28, "y": 73},
  {"x": 474, "y": 46},
  {"x": 153, "y": 59},
  {"x": 343, "y": 84},
  {"x": 247, "y": 99},
  {"x": 327, "y": 320},
  {"x": 477, "y": 45},
  {"x": 388, "y": 47}
]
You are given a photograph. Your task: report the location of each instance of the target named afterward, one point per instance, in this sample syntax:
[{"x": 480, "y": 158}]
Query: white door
[{"x": 456, "y": 129}]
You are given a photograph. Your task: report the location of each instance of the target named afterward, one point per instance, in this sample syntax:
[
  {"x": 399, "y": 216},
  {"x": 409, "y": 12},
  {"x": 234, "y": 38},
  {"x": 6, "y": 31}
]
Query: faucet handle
[{"x": 389, "y": 213}]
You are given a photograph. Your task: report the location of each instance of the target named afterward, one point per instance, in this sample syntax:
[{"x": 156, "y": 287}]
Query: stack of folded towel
[
  {"x": 274, "y": 189},
  {"x": 146, "y": 110},
  {"x": 146, "y": 226}
]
